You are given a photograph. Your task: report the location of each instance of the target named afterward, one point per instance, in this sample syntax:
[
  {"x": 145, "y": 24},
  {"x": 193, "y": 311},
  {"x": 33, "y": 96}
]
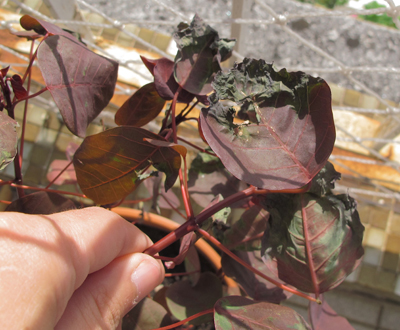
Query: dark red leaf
[
  {"x": 80, "y": 81},
  {"x": 8, "y": 139},
  {"x": 141, "y": 108},
  {"x": 255, "y": 287},
  {"x": 107, "y": 164},
  {"x": 41, "y": 202},
  {"x": 187, "y": 242},
  {"x": 323, "y": 317},
  {"x": 163, "y": 71},
  {"x": 326, "y": 228},
  {"x": 185, "y": 300},
  {"x": 239, "y": 313},
  {"x": 289, "y": 133},
  {"x": 18, "y": 88},
  {"x": 146, "y": 315},
  {"x": 177, "y": 147},
  {"x": 4, "y": 71}
]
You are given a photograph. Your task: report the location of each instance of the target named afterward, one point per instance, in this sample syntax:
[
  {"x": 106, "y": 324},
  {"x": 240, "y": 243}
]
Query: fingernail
[{"x": 146, "y": 277}]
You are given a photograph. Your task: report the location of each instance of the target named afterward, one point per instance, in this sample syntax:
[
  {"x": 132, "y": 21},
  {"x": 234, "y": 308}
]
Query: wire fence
[{"x": 263, "y": 14}]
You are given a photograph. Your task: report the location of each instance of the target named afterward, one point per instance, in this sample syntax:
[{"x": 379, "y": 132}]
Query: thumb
[{"x": 108, "y": 294}]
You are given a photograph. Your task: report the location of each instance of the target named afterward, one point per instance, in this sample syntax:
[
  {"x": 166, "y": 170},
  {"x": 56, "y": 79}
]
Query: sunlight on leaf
[
  {"x": 141, "y": 108},
  {"x": 80, "y": 81},
  {"x": 107, "y": 163}
]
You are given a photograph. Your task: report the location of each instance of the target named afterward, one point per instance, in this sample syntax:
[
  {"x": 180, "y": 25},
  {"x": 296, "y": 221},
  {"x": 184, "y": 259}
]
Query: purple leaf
[
  {"x": 239, "y": 313},
  {"x": 181, "y": 301},
  {"x": 328, "y": 229},
  {"x": 256, "y": 287},
  {"x": 163, "y": 71},
  {"x": 141, "y": 108},
  {"x": 8, "y": 139},
  {"x": 80, "y": 81},
  {"x": 160, "y": 196},
  {"x": 192, "y": 265},
  {"x": 323, "y": 317},
  {"x": 41, "y": 202},
  {"x": 288, "y": 134}
]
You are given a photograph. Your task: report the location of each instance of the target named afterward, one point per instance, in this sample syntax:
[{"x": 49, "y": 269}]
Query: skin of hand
[{"x": 79, "y": 269}]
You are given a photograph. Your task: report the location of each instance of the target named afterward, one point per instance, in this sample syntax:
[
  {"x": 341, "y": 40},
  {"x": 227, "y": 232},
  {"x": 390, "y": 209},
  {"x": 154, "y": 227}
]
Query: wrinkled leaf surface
[
  {"x": 199, "y": 56},
  {"x": 334, "y": 232},
  {"x": 141, "y": 108},
  {"x": 289, "y": 131},
  {"x": 80, "y": 81},
  {"x": 239, "y": 313},
  {"x": 107, "y": 163},
  {"x": 8, "y": 139}
]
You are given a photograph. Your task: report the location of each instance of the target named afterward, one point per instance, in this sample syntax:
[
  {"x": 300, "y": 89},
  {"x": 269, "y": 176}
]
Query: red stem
[
  {"x": 30, "y": 96},
  {"x": 249, "y": 267},
  {"x": 181, "y": 274},
  {"x": 46, "y": 189},
  {"x": 197, "y": 147},
  {"x": 172, "y": 206},
  {"x": 308, "y": 248},
  {"x": 59, "y": 174},
  {"x": 195, "y": 316}
]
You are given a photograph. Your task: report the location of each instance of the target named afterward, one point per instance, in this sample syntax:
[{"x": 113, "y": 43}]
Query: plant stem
[
  {"x": 196, "y": 147},
  {"x": 48, "y": 190},
  {"x": 195, "y": 316},
  {"x": 59, "y": 174},
  {"x": 251, "y": 268}
]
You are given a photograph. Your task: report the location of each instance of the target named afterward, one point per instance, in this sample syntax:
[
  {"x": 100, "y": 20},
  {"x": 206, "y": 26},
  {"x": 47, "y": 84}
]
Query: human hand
[{"x": 80, "y": 269}]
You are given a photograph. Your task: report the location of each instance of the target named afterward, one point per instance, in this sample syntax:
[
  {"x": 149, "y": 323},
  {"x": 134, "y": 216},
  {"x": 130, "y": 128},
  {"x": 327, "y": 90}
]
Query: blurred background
[{"x": 353, "y": 45}]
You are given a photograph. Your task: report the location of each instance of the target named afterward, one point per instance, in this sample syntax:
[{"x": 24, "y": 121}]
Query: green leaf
[
  {"x": 199, "y": 56},
  {"x": 184, "y": 300},
  {"x": 323, "y": 183},
  {"x": 107, "y": 164},
  {"x": 141, "y": 108},
  {"x": 329, "y": 225},
  {"x": 239, "y": 313},
  {"x": 8, "y": 139},
  {"x": 289, "y": 131}
]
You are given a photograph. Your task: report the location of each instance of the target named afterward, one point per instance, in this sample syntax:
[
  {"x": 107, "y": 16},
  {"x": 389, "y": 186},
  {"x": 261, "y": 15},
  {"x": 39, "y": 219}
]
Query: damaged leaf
[
  {"x": 8, "y": 139},
  {"x": 288, "y": 133}
]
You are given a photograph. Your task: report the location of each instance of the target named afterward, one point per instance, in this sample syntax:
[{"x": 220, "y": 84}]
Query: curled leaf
[
  {"x": 18, "y": 88},
  {"x": 288, "y": 133},
  {"x": 326, "y": 228},
  {"x": 199, "y": 56}
]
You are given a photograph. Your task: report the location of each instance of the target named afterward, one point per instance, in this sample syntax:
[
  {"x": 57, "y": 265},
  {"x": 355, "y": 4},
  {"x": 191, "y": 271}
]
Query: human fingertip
[{"x": 146, "y": 276}]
